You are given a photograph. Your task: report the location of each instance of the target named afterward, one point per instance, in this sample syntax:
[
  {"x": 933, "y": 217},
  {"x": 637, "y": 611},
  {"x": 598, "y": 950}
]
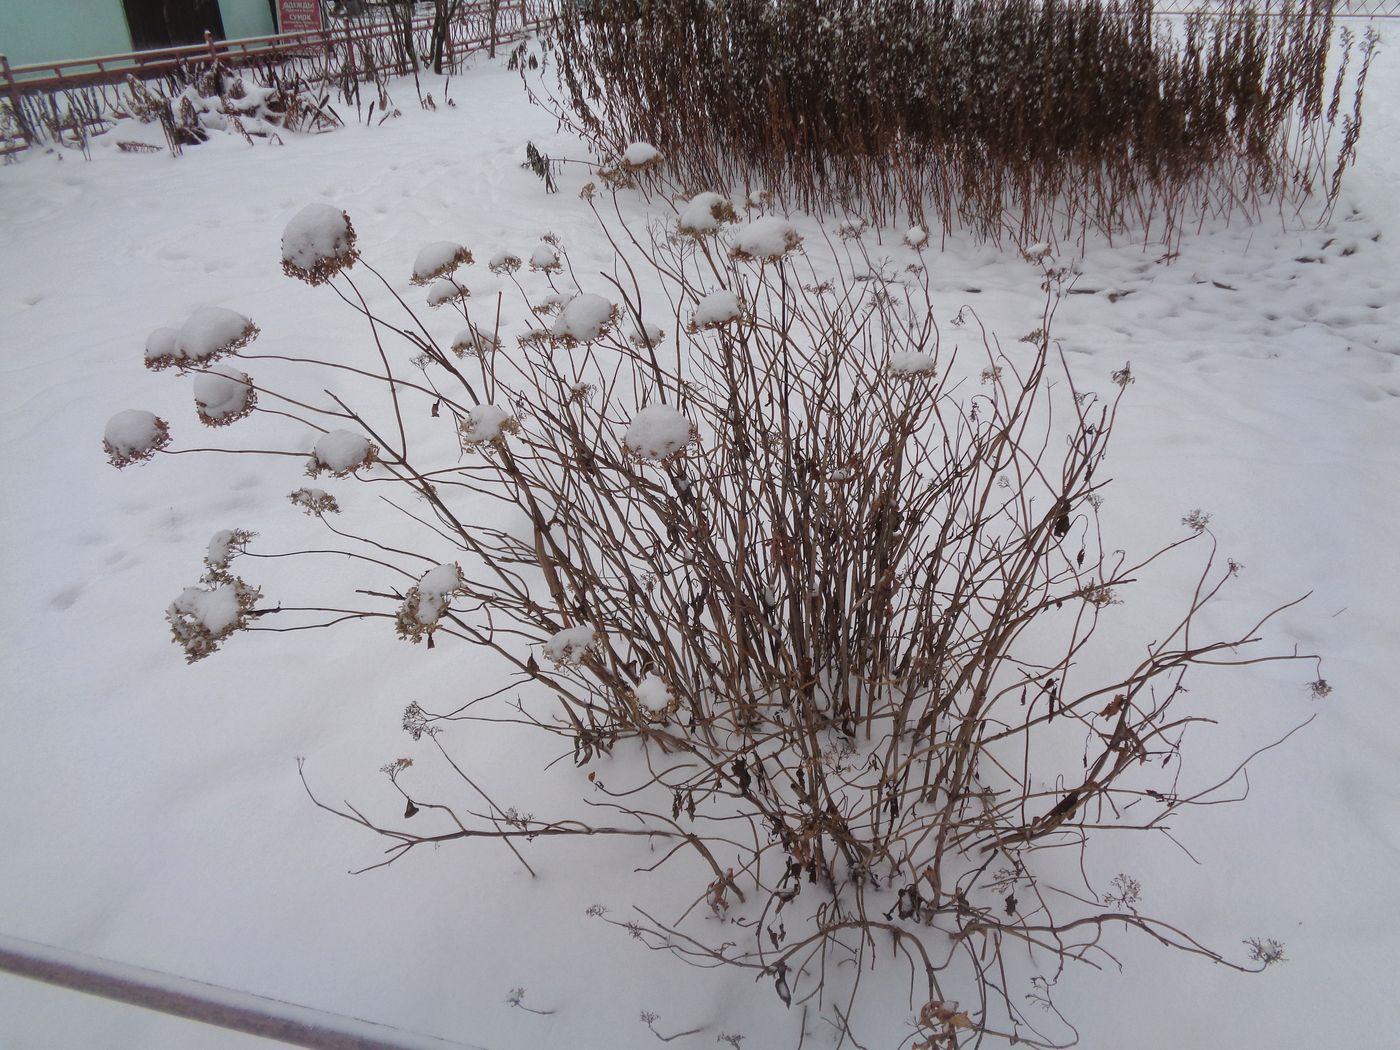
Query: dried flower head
[
  {"x": 223, "y": 396},
  {"x": 659, "y": 433},
  {"x": 439, "y": 259},
  {"x": 486, "y": 425},
  {"x": 447, "y": 291},
  {"x": 503, "y": 263},
  {"x": 545, "y": 259},
  {"x": 202, "y": 617},
  {"x": 567, "y": 648},
  {"x": 427, "y": 601},
  {"x": 210, "y": 333},
  {"x": 475, "y": 341},
  {"x": 318, "y": 243},
  {"x": 314, "y": 502},
  {"x": 766, "y": 240},
  {"x": 704, "y": 214},
  {"x": 340, "y": 453},
  {"x": 1196, "y": 520},
  {"x": 134, "y": 436},
  {"x": 224, "y": 546}
]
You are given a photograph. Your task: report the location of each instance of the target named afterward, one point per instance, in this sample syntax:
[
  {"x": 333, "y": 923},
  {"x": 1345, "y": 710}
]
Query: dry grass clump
[{"x": 1000, "y": 116}]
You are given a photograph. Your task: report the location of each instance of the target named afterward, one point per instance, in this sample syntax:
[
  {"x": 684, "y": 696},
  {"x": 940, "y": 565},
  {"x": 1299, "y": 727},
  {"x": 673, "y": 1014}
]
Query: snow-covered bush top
[
  {"x": 912, "y": 363},
  {"x": 658, "y": 432},
  {"x": 134, "y": 435},
  {"x": 201, "y": 617},
  {"x": 545, "y": 259},
  {"x": 160, "y": 347},
  {"x": 584, "y": 319},
  {"x": 340, "y": 453},
  {"x": 569, "y": 646},
  {"x": 716, "y": 309},
  {"x": 315, "y": 502},
  {"x": 318, "y": 243},
  {"x": 223, "y": 545},
  {"x": 767, "y": 239},
  {"x": 641, "y": 155},
  {"x": 916, "y": 237},
  {"x": 427, "y": 600},
  {"x": 223, "y": 396},
  {"x": 553, "y": 302},
  {"x": 504, "y": 262},
  {"x": 484, "y": 424},
  {"x": 438, "y": 260},
  {"x": 447, "y": 291},
  {"x": 647, "y": 335},
  {"x": 704, "y": 213},
  {"x": 473, "y": 340},
  {"x": 210, "y": 333},
  {"x": 653, "y": 694}
]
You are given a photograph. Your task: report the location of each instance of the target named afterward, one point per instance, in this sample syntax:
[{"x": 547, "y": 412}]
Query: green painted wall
[
  {"x": 50, "y": 30},
  {"x": 244, "y": 18}
]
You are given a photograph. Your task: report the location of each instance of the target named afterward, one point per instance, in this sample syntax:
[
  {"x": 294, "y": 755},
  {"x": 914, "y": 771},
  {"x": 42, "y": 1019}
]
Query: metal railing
[
  {"x": 210, "y": 1004},
  {"x": 352, "y": 48}
]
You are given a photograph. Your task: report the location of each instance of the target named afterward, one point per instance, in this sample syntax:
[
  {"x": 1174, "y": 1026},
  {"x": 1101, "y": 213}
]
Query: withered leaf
[{"x": 410, "y": 810}]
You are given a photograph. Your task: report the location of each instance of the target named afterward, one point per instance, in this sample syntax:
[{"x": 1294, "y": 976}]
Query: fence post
[{"x": 13, "y": 91}]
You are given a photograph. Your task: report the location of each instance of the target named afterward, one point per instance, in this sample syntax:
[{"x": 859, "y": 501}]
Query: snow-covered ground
[{"x": 152, "y": 811}]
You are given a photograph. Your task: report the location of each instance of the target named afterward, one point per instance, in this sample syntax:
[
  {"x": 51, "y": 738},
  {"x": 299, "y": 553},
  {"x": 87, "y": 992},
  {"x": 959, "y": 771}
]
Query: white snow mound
[
  {"x": 211, "y": 331},
  {"x": 483, "y": 423},
  {"x": 133, "y": 431},
  {"x": 717, "y": 308},
  {"x": 222, "y": 394},
  {"x": 438, "y": 260},
  {"x": 435, "y": 591},
  {"x": 160, "y": 344},
  {"x": 544, "y": 258},
  {"x": 317, "y": 236},
  {"x": 653, "y": 693},
  {"x": 341, "y": 451},
  {"x": 583, "y": 319},
  {"x": 658, "y": 432},
  {"x": 447, "y": 291},
  {"x": 767, "y": 239},
  {"x": 705, "y": 212},
  {"x": 640, "y": 154},
  {"x": 648, "y": 334},
  {"x": 570, "y": 645},
  {"x": 912, "y": 363}
]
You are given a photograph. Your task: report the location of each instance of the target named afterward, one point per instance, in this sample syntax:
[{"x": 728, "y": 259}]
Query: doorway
[{"x": 169, "y": 23}]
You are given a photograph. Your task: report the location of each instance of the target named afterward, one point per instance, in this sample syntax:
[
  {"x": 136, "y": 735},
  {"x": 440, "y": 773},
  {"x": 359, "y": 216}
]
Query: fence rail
[
  {"x": 210, "y": 1004},
  {"x": 77, "y": 94}
]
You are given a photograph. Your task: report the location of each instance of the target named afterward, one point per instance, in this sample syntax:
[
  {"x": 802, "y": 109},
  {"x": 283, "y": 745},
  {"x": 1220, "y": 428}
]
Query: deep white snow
[{"x": 154, "y": 810}]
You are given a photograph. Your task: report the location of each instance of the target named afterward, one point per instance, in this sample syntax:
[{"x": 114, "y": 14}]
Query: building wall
[
  {"x": 245, "y": 18},
  {"x": 53, "y": 30},
  {"x": 48, "y": 31}
]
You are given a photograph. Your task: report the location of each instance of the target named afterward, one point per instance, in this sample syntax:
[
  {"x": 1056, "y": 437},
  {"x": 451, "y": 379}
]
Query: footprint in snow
[{"x": 65, "y": 598}]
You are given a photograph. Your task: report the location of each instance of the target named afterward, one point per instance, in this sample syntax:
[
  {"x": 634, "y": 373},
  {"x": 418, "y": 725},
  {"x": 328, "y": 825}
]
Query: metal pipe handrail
[{"x": 206, "y": 1003}]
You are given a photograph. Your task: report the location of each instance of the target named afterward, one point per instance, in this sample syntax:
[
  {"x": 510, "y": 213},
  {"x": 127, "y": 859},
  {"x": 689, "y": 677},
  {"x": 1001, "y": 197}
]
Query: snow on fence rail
[
  {"x": 81, "y": 92},
  {"x": 207, "y": 1003}
]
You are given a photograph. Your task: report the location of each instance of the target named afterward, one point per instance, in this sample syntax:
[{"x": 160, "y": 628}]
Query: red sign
[{"x": 295, "y": 16}]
